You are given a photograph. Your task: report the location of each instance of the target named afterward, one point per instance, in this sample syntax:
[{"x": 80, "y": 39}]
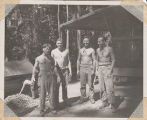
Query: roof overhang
[{"x": 100, "y": 19}]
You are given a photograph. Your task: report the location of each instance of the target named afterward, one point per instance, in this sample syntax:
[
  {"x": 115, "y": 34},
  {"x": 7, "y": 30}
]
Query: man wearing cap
[{"x": 63, "y": 65}]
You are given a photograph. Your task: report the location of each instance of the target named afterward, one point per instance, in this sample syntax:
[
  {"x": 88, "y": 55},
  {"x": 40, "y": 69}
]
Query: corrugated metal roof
[{"x": 13, "y": 68}]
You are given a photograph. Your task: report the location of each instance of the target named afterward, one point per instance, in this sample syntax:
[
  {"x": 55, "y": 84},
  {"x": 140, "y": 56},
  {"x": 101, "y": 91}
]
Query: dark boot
[
  {"x": 83, "y": 99},
  {"x": 83, "y": 92},
  {"x": 42, "y": 113}
]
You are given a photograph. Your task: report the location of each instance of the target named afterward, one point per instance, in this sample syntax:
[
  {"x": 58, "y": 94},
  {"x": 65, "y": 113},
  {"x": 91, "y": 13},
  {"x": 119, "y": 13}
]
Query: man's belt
[
  {"x": 63, "y": 68},
  {"x": 104, "y": 64}
]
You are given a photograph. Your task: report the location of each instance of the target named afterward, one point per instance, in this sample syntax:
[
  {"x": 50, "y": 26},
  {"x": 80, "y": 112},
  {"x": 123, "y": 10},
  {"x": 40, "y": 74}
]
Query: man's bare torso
[
  {"x": 86, "y": 56},
  {"x": 104, "y": 55}
]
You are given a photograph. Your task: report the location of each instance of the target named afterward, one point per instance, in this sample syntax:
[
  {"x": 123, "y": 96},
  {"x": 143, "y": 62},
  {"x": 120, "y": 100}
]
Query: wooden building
[{"x": 125, "y": 23}]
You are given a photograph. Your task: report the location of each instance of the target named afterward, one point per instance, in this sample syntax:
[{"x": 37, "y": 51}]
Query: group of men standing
[
  {"x": 101, "y": 64},
  {"x": 53, "y": 68}
]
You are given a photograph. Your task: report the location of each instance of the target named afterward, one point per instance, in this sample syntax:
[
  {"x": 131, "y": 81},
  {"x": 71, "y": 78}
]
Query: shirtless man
[
  {"x": 44, "y": 69},
  {"x": 63, "y": 65},
  {"x": 105, "y": 65},
  {"x": 86, "y": 70}
]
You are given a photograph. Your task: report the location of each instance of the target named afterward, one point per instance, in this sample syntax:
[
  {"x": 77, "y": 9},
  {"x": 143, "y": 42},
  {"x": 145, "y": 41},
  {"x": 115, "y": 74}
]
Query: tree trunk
[
  {"x": 58, "y": 16},
  {"x": 78, "y": 31},
  {"x": 35, "y": 27}
]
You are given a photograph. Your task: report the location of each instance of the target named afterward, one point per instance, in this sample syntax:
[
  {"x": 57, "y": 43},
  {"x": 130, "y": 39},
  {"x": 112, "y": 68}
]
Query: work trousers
[
  {"x": 46, "y": 83},
  {"x": 106, "y": 83},
  {"x": 62, "y": 79},
  {"x": 86, "y": 77}
]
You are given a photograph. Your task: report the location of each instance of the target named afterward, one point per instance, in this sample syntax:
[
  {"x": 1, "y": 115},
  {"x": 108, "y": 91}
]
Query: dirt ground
[{"x": 131, "y": 92}]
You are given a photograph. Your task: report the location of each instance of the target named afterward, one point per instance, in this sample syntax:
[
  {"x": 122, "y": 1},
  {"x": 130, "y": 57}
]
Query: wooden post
[
  {"x": 67, "y": 32},
  {"x": 58, "y": 16},
  {"x": 79, "y": 39}
]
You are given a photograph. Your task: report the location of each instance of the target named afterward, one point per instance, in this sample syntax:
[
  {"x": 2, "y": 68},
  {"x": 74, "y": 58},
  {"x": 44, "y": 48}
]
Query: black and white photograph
[{"x": 73, "y": 61}]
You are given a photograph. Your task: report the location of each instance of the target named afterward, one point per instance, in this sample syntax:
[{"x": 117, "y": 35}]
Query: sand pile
[{"x": 21, "y": 104}]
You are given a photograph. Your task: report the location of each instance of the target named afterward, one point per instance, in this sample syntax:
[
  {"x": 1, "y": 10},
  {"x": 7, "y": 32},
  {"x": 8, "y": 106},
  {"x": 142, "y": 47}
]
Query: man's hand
[
  {"x": 58, "y": 79},
  {"x": 55, "y": 71},
  {"x": 33, "y": 79},
  {"x": 110, "y": 72},
  {"x": 78, "y": 73},
  {"x": 93, "y": 72},
  {"x": 70, "y": 74}
]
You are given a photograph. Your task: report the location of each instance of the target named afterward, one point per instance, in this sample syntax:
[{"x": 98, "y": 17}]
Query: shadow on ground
[{"x": 132, "y": 93}]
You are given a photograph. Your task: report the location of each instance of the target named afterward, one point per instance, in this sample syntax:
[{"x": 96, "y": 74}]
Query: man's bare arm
[
  {"x": 97, "y": 59},
  {"x": 69, "y": 65},
  {"x": 52, "y": 54},
  {"x": 35, "y": 70},
  {"x": 112, "y": 58},
  {"x": 94, "y": 61},
  {"x": 78, "y": 61}
]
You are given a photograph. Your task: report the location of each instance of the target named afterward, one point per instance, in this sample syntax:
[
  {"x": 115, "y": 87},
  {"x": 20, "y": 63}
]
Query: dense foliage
[{"x": 29, "y": 26}]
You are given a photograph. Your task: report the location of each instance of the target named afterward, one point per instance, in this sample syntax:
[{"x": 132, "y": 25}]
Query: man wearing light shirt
[{"x": 63, "y": 65}]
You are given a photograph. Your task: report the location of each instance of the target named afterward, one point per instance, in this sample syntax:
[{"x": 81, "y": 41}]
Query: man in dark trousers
[
  {"x": 44, "y": 69},
  {"x": 63, "y": 65}
]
